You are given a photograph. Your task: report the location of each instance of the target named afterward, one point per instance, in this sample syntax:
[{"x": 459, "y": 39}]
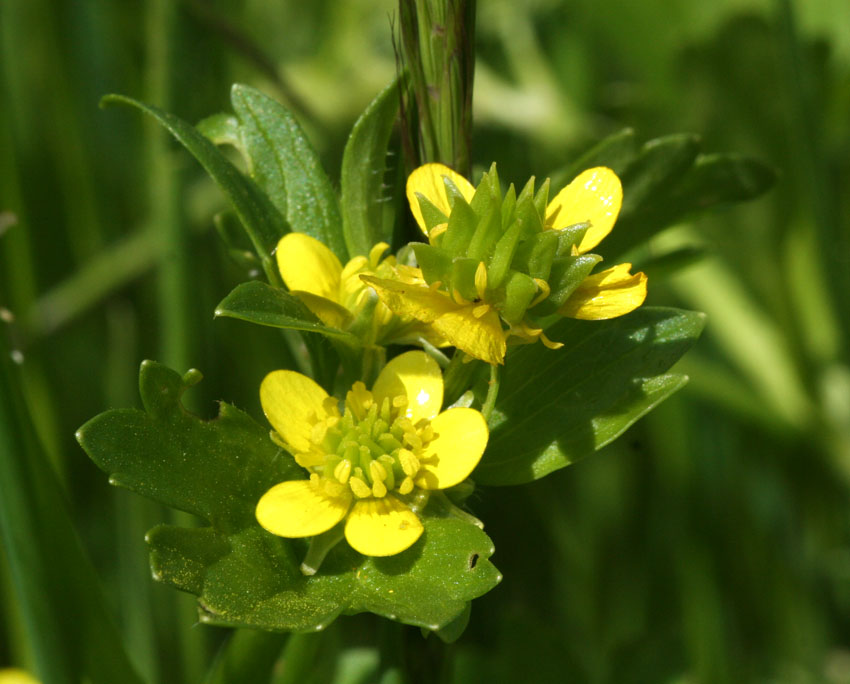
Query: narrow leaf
[
  {"x": 364, "y": 165},
  {"x": 257, "y": 302},
  {"x": 287, "y": 167},
  {"x": 263, "y": 223}
]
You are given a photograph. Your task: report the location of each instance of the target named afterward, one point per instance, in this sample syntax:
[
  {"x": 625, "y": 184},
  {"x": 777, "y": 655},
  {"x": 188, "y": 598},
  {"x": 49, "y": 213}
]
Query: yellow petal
[
  {"x": 594, "y": 196},
  {"x": 382, "y": 527},
  {"x": 450, "y": 458},
  {"x": 291, "y": 402},
  {"x": 607, "y": 294},
  {"x": 327, "y": 311},
  {"x": 479, "y": 336},
  {"x": 416, "y": 376},
  {"x": 308, "y": 265},
  {"x": 428, "y": 180},
  {"x": 413, "y": 300},
  {"x": 300, "y": 508}
]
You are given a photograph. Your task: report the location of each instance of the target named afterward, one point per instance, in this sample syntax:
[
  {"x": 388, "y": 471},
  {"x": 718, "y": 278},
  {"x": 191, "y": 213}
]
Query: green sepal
[
  {"x": 244, "y": 576},
  {"x": 435, "y": 262},
  {"x": 463, "y": 277},
  {"x": 541, "y": 198},
  {"x": 487, "y": 192},
  {"x": 567, "y": 274},
  {"x": 508, "y": 207},
  {"x": 430, "y": 213},
  {"x": 558, "y": 406},
  {"x": 534, "y": 255},
  {"x": 569, "y": 236},
  {"x": 263, "y": 304},
  {"x": 462, "y": 224},
  {"x": 486, "y": 234},
  {"x": 503, "y": 255},
  {"x": 519, "y": 291},
  {"x": 364, "y": 167},
  {"x": 288, "y": 168}
]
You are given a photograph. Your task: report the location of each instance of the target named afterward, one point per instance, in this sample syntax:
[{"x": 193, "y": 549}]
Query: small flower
[
  {"x": 15, "y": 676},
  {"x": 472, "y": 321},
  {"x": 374, "y": 463},
  {"x": 337, "y": 296}
]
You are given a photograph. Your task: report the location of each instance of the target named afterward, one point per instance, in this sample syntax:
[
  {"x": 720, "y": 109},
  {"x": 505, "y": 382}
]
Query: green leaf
[
  {"x": 557, "y": 406},
  {"x": 263, "y": 223},
  {"x": 286, "y": 165},
  {"x": 244, "y": 576},
  {"x": 364, "y": 165},
  {"x": 712, "y": 181},
  {"x": 64, "y": 618},
  {"x": 660, "y": 163},
  {"x": 258, "y": 302}
]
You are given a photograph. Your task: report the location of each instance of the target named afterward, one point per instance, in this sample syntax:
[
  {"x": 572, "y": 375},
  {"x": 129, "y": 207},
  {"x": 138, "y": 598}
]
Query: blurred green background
[{"x": 711, "y": 543}]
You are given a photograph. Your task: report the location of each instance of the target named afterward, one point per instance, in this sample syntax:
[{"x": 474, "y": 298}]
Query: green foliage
[
  {"x": 668, "y": 180},
  {"x": 558, "y": 406},
  {"x": 365, "y": 222},
  {"x": 263, "y": 304},
  {"x": 261, "y": 219},
  {"x": 72, "y": 634},
  {"x": 242, "y": 575}
]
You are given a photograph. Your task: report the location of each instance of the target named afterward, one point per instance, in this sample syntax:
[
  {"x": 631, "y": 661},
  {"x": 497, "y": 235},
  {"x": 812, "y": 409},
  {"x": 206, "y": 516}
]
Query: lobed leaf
[{"x": 244, "y": 576}]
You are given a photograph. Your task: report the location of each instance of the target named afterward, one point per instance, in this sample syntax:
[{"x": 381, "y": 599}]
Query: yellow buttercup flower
[
  {"x": 372, "y": 464},
  {"x": 337, "y": 296},
  {"x": 594, "y": 198}
]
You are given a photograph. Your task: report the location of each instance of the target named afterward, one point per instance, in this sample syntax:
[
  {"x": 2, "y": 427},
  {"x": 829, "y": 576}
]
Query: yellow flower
[
  {"x": 373, "y": 464},
  {"x": 593, "y": 197},
  {"x": 337, "y": 296}
]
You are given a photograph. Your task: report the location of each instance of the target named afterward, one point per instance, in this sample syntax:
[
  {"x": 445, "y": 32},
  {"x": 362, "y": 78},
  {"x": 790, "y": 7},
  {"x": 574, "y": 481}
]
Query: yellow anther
[
  {"x": 343, "y": 471},
  {"x": 481, "y": 280},
  {"x": 379, "y": 489},
  {"x": 317, "y": 433},
  {"x": 459, "y": 298},
  {"x": 376, "y": 252},
  {"x": 308, "y": 459},
  {"x": 359, "y": 487},
  {"x": 549, "y": 343},
  {"x": 406, "y": 486},
  {"x": 377, "y": 471},
  {"x": 358, "y": 400},
  {"x": 332, "y": 488},
  {"x": 409, "y": 462},
  {"x": 400, "y": 402},
  {"x": 480, "y": 310},
  {"x": 544, "y": 288},
  {"x": 351, "y": 269},
  {"x": 412, "y": 439},
  {"x": 315, "y": 479},
  {"x": 437, "y": 230}
]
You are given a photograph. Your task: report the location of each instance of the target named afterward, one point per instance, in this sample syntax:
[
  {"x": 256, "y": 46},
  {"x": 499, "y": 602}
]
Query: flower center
[{"x": 373, "y": 448}]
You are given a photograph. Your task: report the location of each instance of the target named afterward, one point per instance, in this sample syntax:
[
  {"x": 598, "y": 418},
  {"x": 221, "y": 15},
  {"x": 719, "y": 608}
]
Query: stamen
[
  {"x": 480, "y": 310},
  {"x": 544, "y": 292},
  {"x": 360, "y": 488},
  {"x": 379, "y": 489},
  {"x": 459, "y": 298},
  {"x": 409, "y": 462},
  {"x": 481, "y": 280},
  {"x": 343, "y": 471},
  {"x": 377, "y": 471},
  {"x": 549, "y": 343},
  {"x": 406, "y": 486}
]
